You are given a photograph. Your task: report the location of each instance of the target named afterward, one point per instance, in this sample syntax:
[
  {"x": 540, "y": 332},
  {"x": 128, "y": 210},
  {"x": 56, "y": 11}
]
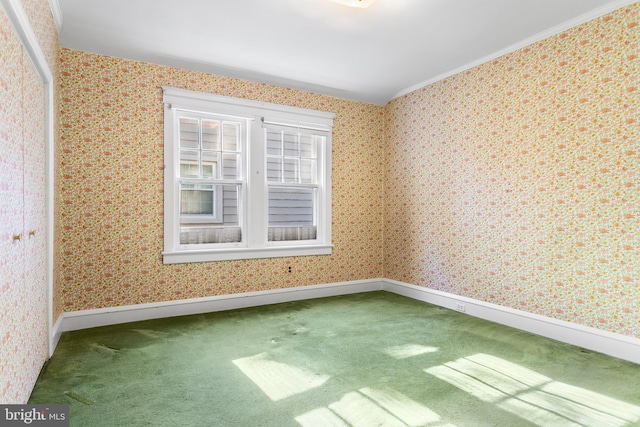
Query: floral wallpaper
[
  {"x": 44, "y": 27},
  {"x": 516, "y": 182},
  {"x": 23, "y": 282},
  {"x": 42, "y": 23},
  {"x": 112, "y": 184}
]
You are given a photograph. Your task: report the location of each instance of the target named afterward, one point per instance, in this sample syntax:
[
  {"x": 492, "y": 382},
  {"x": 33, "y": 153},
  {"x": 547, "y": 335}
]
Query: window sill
[{"x": 206, "y": 255}]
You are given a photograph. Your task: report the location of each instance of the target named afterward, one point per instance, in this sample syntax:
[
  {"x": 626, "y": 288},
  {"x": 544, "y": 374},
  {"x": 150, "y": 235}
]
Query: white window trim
[{"x": 254, "y": 225}]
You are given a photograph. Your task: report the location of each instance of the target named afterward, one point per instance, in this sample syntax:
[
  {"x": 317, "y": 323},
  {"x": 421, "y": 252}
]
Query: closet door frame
[{"x": 24, "y": 31}]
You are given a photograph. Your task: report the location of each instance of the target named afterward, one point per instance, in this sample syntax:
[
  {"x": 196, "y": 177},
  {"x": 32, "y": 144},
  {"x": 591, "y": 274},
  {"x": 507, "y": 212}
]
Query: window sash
[
  {"x": 293, "y": 211},
  {"x": 210, "y": 150}
]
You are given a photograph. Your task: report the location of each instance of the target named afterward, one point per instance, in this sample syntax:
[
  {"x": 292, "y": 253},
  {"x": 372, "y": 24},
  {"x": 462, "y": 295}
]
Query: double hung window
[{"x": 244, "y": 179}]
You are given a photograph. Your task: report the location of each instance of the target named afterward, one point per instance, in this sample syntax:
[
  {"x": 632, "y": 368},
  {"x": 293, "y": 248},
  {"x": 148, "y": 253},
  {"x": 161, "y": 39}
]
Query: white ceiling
[{"x": 371, "y": 55}]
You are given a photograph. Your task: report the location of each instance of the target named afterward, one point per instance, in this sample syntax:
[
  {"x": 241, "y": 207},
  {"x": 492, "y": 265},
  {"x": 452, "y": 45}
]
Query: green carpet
[{"x": 371, "y": 359}]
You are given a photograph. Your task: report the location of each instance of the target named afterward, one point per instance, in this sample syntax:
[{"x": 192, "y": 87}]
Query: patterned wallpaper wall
[
  {"x": 516, "y": 182},
  {"x": 111, "y": 191},
  {"x": 43, "y": 25},
  {"x": 39, "y": 14},
  {"x": 23, "y": 264}
]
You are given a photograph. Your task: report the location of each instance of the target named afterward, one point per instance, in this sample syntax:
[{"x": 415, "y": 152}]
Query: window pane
[
  {"x": 189, "y": 164},
  {"x": 210, "y": 214},
  {"x": 209, "y": 203},
  {"x": 188, "y": 170},
  {"x": 307, "y": 171},
  {"x": 291, "y": 148},
  {"x": 210, "y": 135},
  {"x": 291, "y": 214},
  {"x": 291, "y": 170},
  {"x": 308, "y": 146},
  {"x": 291, "y": 206},
  {"x": 231, "y": 205},
  {"x": 210, "y": 164},
  {"x": 230, "y": 166},
  {"x": 230, "y": 136},
  {"x": 274, "y": 169},
  {"x": 274, "y": 143},
  {"x": 189, "y": 133},
  {"x": 196, "y": 200}
]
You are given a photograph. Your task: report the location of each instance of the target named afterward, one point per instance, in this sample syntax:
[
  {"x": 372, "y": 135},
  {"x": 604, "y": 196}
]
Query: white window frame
[{"x": 253, "y": 215}]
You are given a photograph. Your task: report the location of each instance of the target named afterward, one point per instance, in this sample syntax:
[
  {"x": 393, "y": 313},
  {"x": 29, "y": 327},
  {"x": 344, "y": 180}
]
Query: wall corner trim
[{"x": 609, "y": 343}]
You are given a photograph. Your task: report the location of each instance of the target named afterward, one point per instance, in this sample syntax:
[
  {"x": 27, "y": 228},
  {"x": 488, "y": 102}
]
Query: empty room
[{"x": 320, "y": 213}]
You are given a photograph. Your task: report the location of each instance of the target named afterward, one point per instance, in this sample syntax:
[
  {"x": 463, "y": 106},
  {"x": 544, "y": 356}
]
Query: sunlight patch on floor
[
  {"x": 276, "y": 379},
  {"x": 359, "y": 411},
  {"x": 321, "y": 417},
  {"x": 408, "y": 350},
  {"x": 513, "y": 370},
  {"x": 594, "y": 400},
  {"x": 409, "y": 411},
  {"x": 372, "y": 407},
  {"x": 533, "y": 396},
  {"x": 583, "y": 415},
  {"x": 467, "y": 383},
  {"x": 536, "y": 415}
]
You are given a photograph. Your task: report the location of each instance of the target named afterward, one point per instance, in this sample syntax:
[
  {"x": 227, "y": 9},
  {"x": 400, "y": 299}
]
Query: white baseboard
[
  {"x": 56, "y": 333},
  {"x": 616, "y": 345},
  {"x": 132, "y": 313},
  {"x": 612, "y": 344}
]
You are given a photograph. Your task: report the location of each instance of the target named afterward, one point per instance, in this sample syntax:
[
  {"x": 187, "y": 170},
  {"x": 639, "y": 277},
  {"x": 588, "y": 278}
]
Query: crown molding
[{"x": 579, "y": 20}]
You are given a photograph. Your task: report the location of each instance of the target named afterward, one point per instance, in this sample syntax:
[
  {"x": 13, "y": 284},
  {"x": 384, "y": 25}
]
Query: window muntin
[{"x": 244, "y": 179}]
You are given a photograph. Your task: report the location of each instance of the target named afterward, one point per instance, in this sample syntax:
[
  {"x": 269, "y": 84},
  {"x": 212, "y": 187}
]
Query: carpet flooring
[{"x": 362, "y": 360}]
